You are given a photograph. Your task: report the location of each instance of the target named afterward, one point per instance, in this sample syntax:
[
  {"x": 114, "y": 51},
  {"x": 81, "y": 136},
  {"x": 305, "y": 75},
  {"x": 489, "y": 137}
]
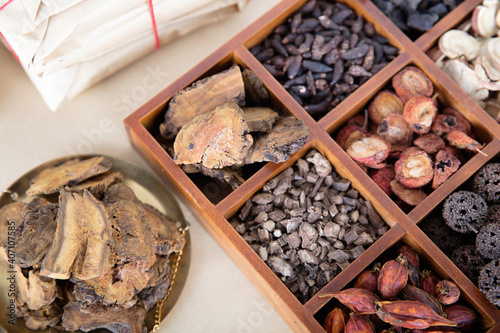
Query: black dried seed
[
  {"x": 308, "y": 7},
  {"x": 338, "y": 70},
  {"x": 306, "y": 45},
  {"x": 316, "y": 66},
  {"x": 290, "y": 38},
  {"x": 295, "y": 64},
  {"x": 295, "y": 22},
  {"x": 422, "y": 22},
  {"x": 340, "y": 16},
  {"x": 319, "y": 107},
  {"x": 264, "y": 55},
  {"x": 295, "y": 81},
  {"x": 344, "y": 88},
  {"x": 310, "y": 83},
  {"x": 331, "y": 57},
  {"x": 308, "y": 25},
  {"x": 301, "y": 91},
  {"x": 274, "y": 72},
  {"x": 276, "y": 44},
  {"x": 281, "y": 29},
  {"x": 357, "y": 52},
  {"x": 465, "y": 211}
]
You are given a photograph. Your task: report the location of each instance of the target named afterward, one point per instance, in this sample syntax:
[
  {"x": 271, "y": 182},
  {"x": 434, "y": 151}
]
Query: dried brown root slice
[
  {"x": 255, "y": 91},
  {"x": 410, "y": 196},
  {"x": 383, "y": 177},
  {"x": 455, "y": 43},
  {"x": 11, "y": 215},
  {"x": 260, "y": 119},
  {"x": 286, "y": 138},
  {"x": 53, "y": 179},
  {"x": 168, "y": 238},
  {"x": 35, "y": 291},
  {"x": 215, "y": 139},
  {"x": 420, "y": 112},
  {"x": 348, "y": 134},
  {"x": 81, "y": 242},
  {"x": 370, "y": 151},
  {"x": 483, "y": 21},
  {"x": 414, "y": 168},
  {"x": 395, "y": 130},
  {"x": 412, "y": 81},
  {"x": 461, "y": 140},
  {"x": 450, "y": 120},
  {"x": 115, "y": 318},
  {"x": 446, "y": 165},
  {"x": 430, "y": 143},
  {"x": 158, "y": 283},
  {"x": 225, "y": 175},
  {"x": 385, "y": 102},
  {"x": 99, "y": 184},
  {"x": 34, "y": 236},
  {"x": 201, "y": 97},
  {"x": 47, "y": 316}
]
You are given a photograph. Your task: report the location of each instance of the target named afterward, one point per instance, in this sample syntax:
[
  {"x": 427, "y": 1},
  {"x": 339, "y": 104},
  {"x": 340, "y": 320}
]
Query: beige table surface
[{"x": 217, "y": 296}]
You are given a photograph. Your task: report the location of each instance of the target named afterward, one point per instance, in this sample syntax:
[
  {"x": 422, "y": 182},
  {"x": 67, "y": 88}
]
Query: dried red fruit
[
  {"x": 462, "y": 315},
  {"x": 383, "y": 177},
  {"x": 413, "y": 293},
  {"x": 428, "y": 282},
  {"x": 447, "y": 292},
  {"x": 383, "y": 103},
  {"x": 410, "y": 255},
  {"x": 359, "y": 120},
  {"x": 358, "y": 300},
  {"x": 412, "y": 81},
  {"x": 450, "y": 120},
  {"x": 370, "y": 151},
  {"x": 436, "y": 329},
  {"x": 413, "y": 275},
  {"x": 410, "y": 196},
  {"x": 463, "y": 141},
  {"x": 347, "y": 135},
  {"x": 395, "y": 130},
  {"x": 358, "y": 324},
  {"x": 446, "y": 164},
  {"x": 456, "y": 152},
  {"x": 392, "y": 277},
  {"x": 430, "y": 143},
  {"x": 414, "y": 168},
  {"x": 420, "y": 112},
  {"x": 367, "y": 279},
  {"x": 410, "y": 314},
  {"x": 335, "y": 321}
]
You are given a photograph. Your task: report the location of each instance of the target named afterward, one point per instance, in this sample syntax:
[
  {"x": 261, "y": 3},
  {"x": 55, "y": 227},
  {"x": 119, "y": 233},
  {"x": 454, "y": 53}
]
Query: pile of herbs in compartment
[
  {"x": 323, "y": 53},
  {"x": 308, "y": 224}
]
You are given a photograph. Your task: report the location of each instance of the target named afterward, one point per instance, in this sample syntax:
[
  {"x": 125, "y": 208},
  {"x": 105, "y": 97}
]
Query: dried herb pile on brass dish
[
  {"x": 89, "y": 253},
  {"x": 215, "y": 132}
]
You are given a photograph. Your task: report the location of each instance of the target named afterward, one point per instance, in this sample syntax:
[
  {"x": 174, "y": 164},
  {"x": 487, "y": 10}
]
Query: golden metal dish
[{"x": 149, "y": 190}]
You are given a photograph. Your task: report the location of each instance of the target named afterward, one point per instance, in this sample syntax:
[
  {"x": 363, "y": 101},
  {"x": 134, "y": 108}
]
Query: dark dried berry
[
  {"x": 465, "y": 211},
  {"x": 486, "y": 182},
  {"x": 488, "y": 241}
]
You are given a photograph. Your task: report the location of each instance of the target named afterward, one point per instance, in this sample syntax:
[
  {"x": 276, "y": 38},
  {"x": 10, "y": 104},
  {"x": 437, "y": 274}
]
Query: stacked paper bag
[{"x": 66, "y": 46}]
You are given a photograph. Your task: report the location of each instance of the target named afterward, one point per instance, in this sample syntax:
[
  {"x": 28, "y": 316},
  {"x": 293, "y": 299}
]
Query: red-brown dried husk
[
  {"x": 367, "y": 279},
  {"x": 428, "y": 282},
  {"x": 410, "y": 255},
  {"x": 430, "y": 143},
  {"x": 461, "y": 140},
  {"x": 410, "y": 196},
  {"x": 358, "y": 300},
  {"x": 420, "y": 112},
  {"x": 392, "y": 277},
  {"x": 450, "y": 120},
  {"x": 349, "y": 134},
  {"x": 455, "y": 152},
  {"x": 446, "y": 164},
  {"x": 375, "y": 158},
  {"x": 410, "y": 314},
  {"x": 335, "y": 321},
  {"x": 436, "y": 329},
  {"x": 413, "y": 293},
  {"x": 383, "y": 177},
  {"x": 359, "y": 324},
  {"x": 461, "y": 314},
  {"x": 403, "y": 170},
  {"x": 404, "y": 89},
  {"x": 447, "y": 292},
  {"x": 384, "y": 103}
]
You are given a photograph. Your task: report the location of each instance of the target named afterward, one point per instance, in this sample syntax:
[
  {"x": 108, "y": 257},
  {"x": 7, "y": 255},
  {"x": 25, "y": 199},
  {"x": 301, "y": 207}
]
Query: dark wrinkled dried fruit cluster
[
  {"x": 468, "y": 260},
  {"x": 465, "y": 211},
  {"x": 323, "y": 53},
  {"x": 415, "y": 17},
  {"x": 399, "y": 301},
  {"x": 489, "y": 281},
  {"x": 486, "y": 183}
]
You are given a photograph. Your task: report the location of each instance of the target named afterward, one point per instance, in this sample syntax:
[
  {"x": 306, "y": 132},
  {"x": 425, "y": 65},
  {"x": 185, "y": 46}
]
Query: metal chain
[{"x": 173, "y": 275}]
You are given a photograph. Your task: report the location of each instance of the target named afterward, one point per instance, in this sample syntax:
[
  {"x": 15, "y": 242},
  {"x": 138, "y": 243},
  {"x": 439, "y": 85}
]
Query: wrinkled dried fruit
[
  {"x": 347, "y": 135},
  {"x": 413, "y": 275},
  {"x": 446, "y": 165},
  {"x": 395, "y": 130},
  {"x": 335, "y": 321},
  {"x": 385, "y": 102},
  {"x": 447, "y": 292},
  {"x": 428, "y": 282},
  {"x": 414, "y": 169},
  {"x": 358, "y": 300},
  {"x": 410, "y": 196},
  {"x": 430, "y": 143},
  {"x": 410, "y": 314},
  {"x": 420, "y": 112},
  {"x": 383, "y": 177},
  {"x": 460, "y": 314},
  {"x": 450, "y": 120},
  {"x": 463, "y": 141},
  {"x": 370, "y": 151},
  {"x": 410, "y": 255},
  {"x": 392, "y": 277},
  {"x": 359, "y": 324},
  {"x": 410, "y": 82},
  {"x": 367, "y": 279},
  {"x": 413, "y": 293}
]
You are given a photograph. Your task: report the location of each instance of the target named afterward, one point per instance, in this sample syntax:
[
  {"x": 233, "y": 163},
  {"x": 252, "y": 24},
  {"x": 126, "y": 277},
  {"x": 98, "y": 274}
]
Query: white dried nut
[
  {"x": 483, "y": 20},
  {"x": 456, "y": 43}
]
